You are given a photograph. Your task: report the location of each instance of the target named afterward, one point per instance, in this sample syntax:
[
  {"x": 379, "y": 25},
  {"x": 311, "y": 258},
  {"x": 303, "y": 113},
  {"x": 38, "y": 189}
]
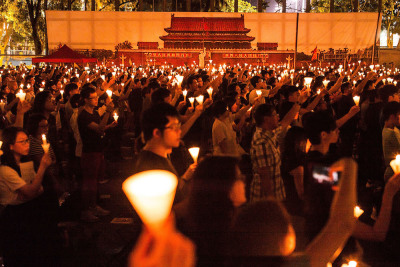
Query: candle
[
  {"x": 319, "y": 91},
  {"x": 200, "y": 99},
  {"x": 103, "y": 77},
  {"x": 395, "y": 83},
  {"x": 390, "y": 80},
  {"x": 358, "y": 211},
  {"x": 307, "y": 81},
  {"x": 109, "y": 93},
  {"x": 45, "y": 145},
  {"x": 184, "y": 92},
  {"x": 21, "y": 86},
  {"x": 1, "y": 151},
  {"x": 21, "y": 95},
  {"x": 115, "y": 116},
  {"x": 179, "y": 79},
  {"x": 191, "y": 100},
  {"x": 259, "y": 92},
  {"x": 384, "y": 81},
  {"x": 62, "y": 94},
  {"x": 210, "y": 91},
  {"x": 325, "y": 83},
  {"x": 151, "y": 193},
  {"x": 395, "y": 164},
  {"x": 194, "y": 151},
  {"x": 356, "y": 99}
]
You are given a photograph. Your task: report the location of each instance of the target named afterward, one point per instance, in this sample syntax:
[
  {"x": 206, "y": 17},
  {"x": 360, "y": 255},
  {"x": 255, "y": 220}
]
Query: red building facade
[{"x": 210, "y": 33}]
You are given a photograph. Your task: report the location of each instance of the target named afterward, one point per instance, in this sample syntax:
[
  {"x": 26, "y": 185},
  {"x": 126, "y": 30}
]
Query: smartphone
[{"x": 321, "y": 175}]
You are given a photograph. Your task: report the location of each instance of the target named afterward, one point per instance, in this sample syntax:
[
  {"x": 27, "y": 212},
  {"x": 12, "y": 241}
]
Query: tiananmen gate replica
[{"x": 202, "y": 40}]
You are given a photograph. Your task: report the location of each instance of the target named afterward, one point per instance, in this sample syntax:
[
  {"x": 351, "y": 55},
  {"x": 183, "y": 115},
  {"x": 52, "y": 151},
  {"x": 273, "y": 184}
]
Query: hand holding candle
[
  {"x": 45, "y": 145},
  {"x": 151, "y": 193},
  {"x": 194, "y": 151}
]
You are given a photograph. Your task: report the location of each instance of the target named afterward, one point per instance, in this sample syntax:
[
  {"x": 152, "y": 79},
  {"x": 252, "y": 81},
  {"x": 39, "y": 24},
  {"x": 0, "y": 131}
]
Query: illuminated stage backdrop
[{"x": 104, "y": 30}]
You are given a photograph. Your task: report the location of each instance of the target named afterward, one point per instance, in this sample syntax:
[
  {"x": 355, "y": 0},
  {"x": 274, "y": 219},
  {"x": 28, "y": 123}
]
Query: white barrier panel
[{"x": 104, "y": 30}]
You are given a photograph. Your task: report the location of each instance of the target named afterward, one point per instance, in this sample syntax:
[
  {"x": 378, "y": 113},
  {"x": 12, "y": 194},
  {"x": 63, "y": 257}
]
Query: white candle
[
  {"x": 109, "y": 93},
  {"x": 259, "y": 92},
  {"x": 200, "y": 99},
  {"x": 210, "y": 91},
  {"x": 45, "y": 145},
  {"x": 319, "y": 91},
  {"x": 21, "y": 95},
  {"x": 194, "y": 151},
  {"x": 191, "y": 100},
  {"x": 395, "y": 164},
  {"x": 356, "y": 99},
  {"x": 179, "y": 79},
  {"x": 358, "y": 211},
  {"x": 115, "y": 116},
  {"x": 184, "y": 92},
  {"x": 62, "y": 94},
  {"x": 151, "y": 193},
  {"x": 325, "y": 83},
  {"x": 308, "y": 81}
]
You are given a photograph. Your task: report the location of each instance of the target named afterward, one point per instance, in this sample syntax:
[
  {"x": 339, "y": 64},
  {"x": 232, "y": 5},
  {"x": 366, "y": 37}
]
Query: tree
[{"x": 243, "y": 6}]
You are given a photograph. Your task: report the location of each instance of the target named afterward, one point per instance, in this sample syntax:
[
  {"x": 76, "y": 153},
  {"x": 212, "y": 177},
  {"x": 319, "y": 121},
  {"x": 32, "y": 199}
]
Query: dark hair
[
  {"x": 219, "y": 108},
  {"x": 262, "y": 111},
  {"x": 190, "y": 80},
  {"x": 345, "y": 86},
  {"x": 386, "y": 91},
  {"x": 391, "y": 108},
  {"x": 74, "y": 79},
  {"x": 40, "y": 101},
  {"x": 287, "y": 90},
  {"x": 291, "y": 145},
  {"x": 87, "y": 89},
  {"x": 210, "y": 209},
  {"x": 69, "y": 87},
  {"x": 159, "y": 95},
  {"x": 76, "y": 101},
  {"x": 33, "y": 123},
  {"x": 156, "y": 118},
  {"x": 9, "y": 137},
  {"x": 254, "y": 80},
  {"x": 317, "y": 122},
  {"x": 260, "y": 228}
]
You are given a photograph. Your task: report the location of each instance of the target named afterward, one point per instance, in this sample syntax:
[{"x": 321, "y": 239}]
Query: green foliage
[{"x": 244, "y": 6}]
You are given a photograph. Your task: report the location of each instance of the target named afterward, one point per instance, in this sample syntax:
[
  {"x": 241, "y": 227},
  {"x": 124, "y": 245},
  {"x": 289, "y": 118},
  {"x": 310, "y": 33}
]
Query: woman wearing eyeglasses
[{"x": 27, "y": 232}]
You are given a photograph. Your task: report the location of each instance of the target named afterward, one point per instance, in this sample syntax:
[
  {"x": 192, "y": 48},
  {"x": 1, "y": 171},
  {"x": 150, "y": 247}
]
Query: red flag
[{"x": 314, "y": 54}]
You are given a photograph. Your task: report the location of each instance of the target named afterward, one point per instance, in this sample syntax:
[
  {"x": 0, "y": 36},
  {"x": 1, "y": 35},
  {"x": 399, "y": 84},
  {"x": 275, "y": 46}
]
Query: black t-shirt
[
  {"x": 147, "y": 160},
  {"x": 318, "y": 197},
  {"x": 92, "y": 141}
]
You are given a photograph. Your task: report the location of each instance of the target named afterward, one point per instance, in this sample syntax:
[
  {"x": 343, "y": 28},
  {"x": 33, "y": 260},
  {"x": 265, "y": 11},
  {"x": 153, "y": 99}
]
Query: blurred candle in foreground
[
  {"x": 194, "y": 151},
  {"x": 395, "y": 164},
  {"x": 151, "y": 193}
]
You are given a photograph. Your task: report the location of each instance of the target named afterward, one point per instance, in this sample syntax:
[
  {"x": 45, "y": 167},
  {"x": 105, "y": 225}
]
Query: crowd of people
[{"x": 283, "y": 153}]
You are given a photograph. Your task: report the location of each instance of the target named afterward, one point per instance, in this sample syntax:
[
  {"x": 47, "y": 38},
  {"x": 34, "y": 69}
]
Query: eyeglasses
[
  {"x": 175, "y": 127},
  {"x": 24, "y": 142}
]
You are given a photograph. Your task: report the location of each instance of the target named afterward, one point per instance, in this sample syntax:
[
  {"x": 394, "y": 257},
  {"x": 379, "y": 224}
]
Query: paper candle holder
[
  {"x": 151, "y": 194},
  {"x": 395, "y": 164},
  {"x": 194, "y": 152},
  {"x": 200, "y": 99}
]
